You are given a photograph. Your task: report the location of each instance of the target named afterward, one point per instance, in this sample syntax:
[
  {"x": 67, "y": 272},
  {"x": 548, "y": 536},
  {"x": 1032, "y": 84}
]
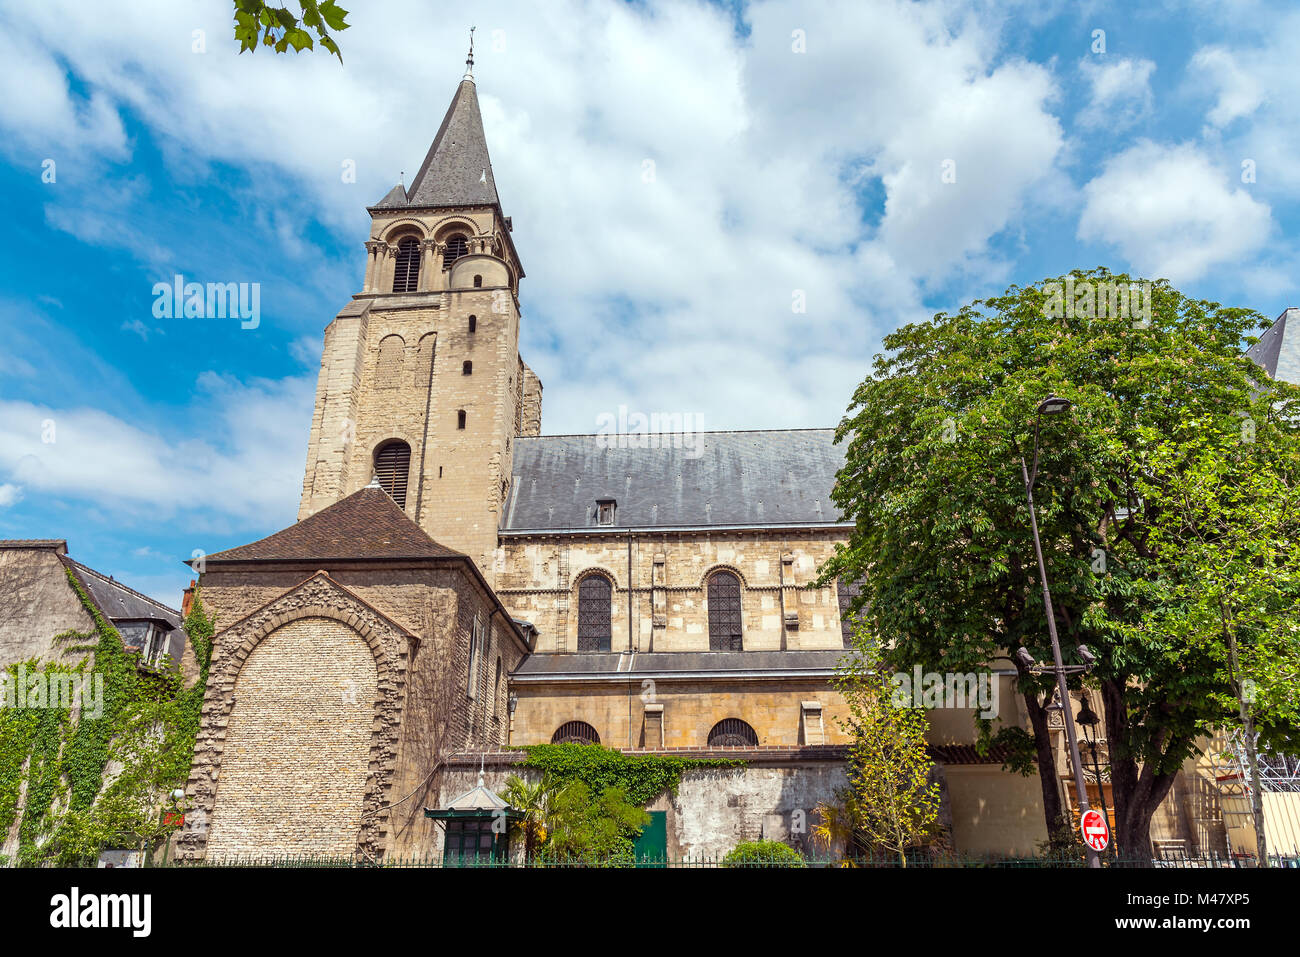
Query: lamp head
[
  {"x": 1054, "y": 405},
  {"x": 1086, "y": 716}
]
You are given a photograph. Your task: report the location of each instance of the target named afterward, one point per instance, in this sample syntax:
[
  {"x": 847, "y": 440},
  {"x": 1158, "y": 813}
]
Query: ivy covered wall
[{"x": 77, "y": 780}]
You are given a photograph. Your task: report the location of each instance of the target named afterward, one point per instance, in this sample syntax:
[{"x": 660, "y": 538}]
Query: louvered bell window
[
  {"x": 724, "y": 612},
  {"x": 392, "y": 466},
  {"x": 406, "y": 271},
  {"x": 456, "y": 247}
]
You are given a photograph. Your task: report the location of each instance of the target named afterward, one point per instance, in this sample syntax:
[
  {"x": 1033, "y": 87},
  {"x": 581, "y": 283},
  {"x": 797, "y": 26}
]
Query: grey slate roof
[
  {"x": 781, "y": 477},
  {"x": 1278, "y": 349},
  {"x": 665, "y": 664},
  {"x": 394, "y": 197},
  {"x": 456, "y": 171},
  {"x": 119, "y": 602}
]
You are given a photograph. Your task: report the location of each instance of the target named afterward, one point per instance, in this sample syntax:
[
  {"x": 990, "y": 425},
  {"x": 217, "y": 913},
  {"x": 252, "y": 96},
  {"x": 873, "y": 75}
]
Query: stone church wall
[{"x": 537, "y": 579}]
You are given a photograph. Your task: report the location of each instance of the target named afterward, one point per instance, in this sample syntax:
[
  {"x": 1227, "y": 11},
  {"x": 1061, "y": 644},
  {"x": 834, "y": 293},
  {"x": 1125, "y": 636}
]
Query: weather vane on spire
[{"x": 469, "y": 62}]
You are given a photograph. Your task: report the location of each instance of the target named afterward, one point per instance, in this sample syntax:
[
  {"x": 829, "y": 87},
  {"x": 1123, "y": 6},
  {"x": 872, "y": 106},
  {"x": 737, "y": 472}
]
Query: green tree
[
  {"x": 890, "y": 803},
  {"x": 257, "y": 21},
  {"x": 1226, "y": 524},
  {"x": 941, "y": 541},
  {"x": 593, "y": 827},
  {"x": 533, "y": 800}
]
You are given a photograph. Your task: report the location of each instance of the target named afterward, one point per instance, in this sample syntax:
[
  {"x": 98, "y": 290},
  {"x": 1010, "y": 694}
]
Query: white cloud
[
  {"x": 634, "y": 289},
  {"x": 1238, "y": 92},
  {"x": 1172, "y": 213},
  {"x": 1253, "y": 111},
  {"x": 1120, "y": 93},
  {"x": 237, "y": 455},
  {"x": 9, "y": 494}
]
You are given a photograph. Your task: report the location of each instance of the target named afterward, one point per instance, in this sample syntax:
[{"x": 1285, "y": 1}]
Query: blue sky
[{"x": 676, "y": 172}]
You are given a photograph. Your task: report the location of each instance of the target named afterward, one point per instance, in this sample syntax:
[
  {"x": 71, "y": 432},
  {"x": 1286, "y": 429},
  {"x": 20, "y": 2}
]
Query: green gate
[{"x": 652, "y": 844}]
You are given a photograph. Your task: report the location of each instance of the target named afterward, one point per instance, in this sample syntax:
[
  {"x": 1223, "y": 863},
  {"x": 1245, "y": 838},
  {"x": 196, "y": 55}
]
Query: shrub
[{"x": 763, "y": 854}]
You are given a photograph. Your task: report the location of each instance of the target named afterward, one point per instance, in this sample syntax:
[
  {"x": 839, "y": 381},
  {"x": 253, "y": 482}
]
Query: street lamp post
[
  {"x": 1054, "y": 405},
  {"x": 1089, "y": 719}
]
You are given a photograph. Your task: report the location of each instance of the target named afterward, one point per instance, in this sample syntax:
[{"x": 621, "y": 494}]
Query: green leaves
[
  {"x": 147, "y": 730},
  {"x": 277, "y": 27},
  {"x": 932, "y": 484}
]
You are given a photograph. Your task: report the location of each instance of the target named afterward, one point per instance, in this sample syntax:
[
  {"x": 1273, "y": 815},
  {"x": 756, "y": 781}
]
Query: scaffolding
[{"x": 1226, "y": 764}]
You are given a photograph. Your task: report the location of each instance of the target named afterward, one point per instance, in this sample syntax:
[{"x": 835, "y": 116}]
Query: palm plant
[{"x": 534, "y": 801}]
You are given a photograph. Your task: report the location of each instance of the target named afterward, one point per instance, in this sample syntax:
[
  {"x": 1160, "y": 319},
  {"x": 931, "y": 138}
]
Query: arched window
[
  {"x": 732, "y": 733},
  {"x": 473, "y": 323},
  {"x": 406, "y": 270},
  {"x": 478, "y": 282},
  {"x": 575, "y": 732},
  {"x": 460, "y": 418},
  {"x": 388, "y": 373},
  {"x": 467, "y": 368},
  {"x": 392, "y": 466},
  {"x": 594, "y": 616},
  {"x": 456, "y": 247},
  {"x": 724, "y": 612},
  {"x": 427, "y": 343}
]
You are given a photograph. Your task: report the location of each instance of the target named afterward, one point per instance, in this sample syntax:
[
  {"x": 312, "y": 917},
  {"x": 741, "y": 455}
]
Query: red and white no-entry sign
[{"x": 1095, "y": 831}]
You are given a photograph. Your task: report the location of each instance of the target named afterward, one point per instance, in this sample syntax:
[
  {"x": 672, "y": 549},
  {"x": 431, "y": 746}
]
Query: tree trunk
[
  {"x": 1252, "y": 756},
  {"x": 1048, "y": 777},
  {"x": 1137, "y": 792}
]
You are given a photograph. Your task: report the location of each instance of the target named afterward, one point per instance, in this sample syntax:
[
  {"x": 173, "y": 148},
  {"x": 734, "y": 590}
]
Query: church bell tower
[{"x": 421, "y": 384}]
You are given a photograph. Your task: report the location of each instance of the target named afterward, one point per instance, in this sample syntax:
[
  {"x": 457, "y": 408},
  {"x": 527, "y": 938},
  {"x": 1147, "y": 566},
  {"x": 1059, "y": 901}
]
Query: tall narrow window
[
  {"x": 478, "y": 282},
  {"x": 388, "y": 372},
  {"x": 460, "y": 419},
  {"x": 724, "y": 612},
  {"x": 425, "y": 359},
  {"x": 392, "y": 466},
  {"x": 476, "y": 641},
  {"x": 406, "y": 269},
  {"x": 456, "y": 247},
  {"x": 473, "y": 323},
  {"x": 467, "y": 368},
  {"x": 594, "y": 615}
]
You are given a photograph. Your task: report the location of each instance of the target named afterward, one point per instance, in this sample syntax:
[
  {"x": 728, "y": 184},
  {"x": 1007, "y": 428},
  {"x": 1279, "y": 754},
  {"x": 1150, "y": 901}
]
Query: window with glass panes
[{"x": 473, "y": 839}]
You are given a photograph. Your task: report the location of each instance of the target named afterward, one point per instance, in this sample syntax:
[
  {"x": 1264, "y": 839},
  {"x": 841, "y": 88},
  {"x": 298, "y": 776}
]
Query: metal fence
[{"x": 888, "y": 862}]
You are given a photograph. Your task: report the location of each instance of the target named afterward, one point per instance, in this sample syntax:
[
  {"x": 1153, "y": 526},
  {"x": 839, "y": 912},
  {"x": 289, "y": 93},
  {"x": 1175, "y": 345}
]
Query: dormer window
[
  {"x": 478, "y": 282},
  {"x": 153, "y": 647},
  {"x": 605, "y": 511}
]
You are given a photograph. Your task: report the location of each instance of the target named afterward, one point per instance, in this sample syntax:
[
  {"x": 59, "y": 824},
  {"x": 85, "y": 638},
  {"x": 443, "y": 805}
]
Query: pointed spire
[
  {"x": 457, "y": 170},
  {"x": 469, "y": 62},
  {"x": 394, "y": 197}
]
